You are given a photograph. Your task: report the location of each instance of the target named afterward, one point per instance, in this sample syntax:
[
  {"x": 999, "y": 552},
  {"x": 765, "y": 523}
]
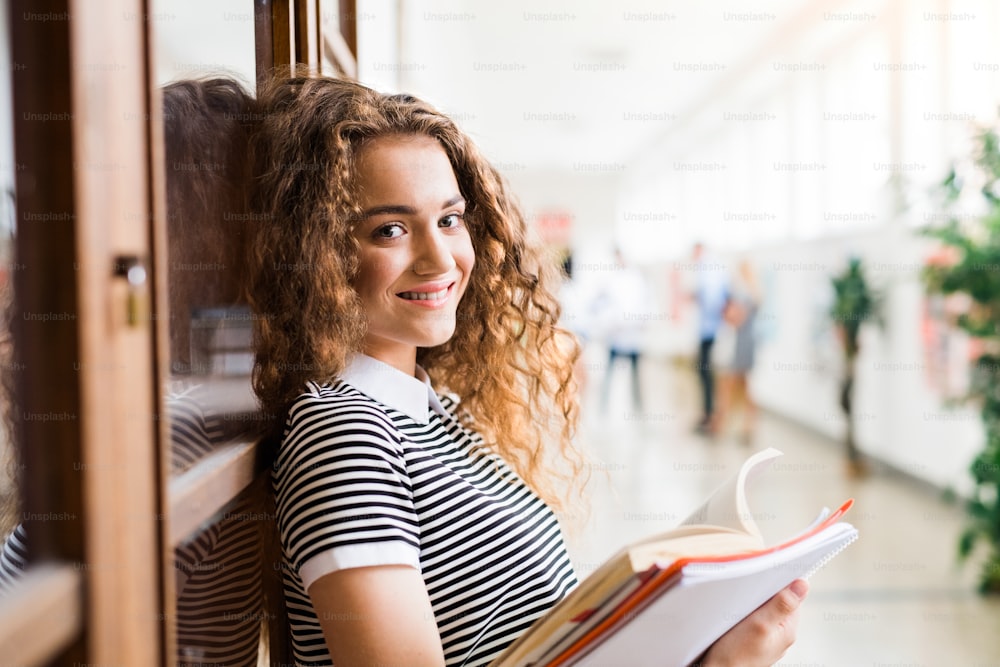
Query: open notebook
[{"x": 664, "y": 600}]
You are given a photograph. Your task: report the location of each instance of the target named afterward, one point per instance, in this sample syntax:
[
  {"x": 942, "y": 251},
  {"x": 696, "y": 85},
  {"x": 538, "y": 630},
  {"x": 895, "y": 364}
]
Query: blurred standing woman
[
  {"x": 407, "y": 345},
  {"x": 735, "y": 364}
]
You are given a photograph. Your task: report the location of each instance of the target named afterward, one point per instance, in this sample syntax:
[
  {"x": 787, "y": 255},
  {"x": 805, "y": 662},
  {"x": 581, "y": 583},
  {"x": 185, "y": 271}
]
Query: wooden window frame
[
  {"x": 95, "y": 591},
  {"x": 292, "y": 33},
  {"x": 91, "y": 593}
]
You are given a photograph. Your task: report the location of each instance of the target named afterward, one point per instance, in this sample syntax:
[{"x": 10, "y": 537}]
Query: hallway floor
[{"x": 897, "y": 597}]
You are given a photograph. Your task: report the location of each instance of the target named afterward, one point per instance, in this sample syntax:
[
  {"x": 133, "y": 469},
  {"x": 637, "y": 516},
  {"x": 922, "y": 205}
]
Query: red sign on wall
[{"x": 554, "y": 227}]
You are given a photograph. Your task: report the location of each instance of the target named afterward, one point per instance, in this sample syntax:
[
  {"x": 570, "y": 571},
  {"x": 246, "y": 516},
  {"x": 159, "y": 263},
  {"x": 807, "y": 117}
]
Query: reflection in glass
[
  {"x": 13, "y": 555},
  {"x": 217, "y": 571},
  {"x": 208, "y": 399}
]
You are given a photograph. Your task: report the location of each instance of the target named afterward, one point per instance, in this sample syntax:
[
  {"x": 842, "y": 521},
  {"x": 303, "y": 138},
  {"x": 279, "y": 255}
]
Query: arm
[
  {"x": 349, "y": 528},
  {"x": 761, "y": 638},
  {"x": 377, "y": 616}
]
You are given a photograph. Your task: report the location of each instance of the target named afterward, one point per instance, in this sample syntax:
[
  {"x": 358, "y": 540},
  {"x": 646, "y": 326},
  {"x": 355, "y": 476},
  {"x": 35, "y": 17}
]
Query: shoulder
[
  {"x": 337, "y": 419},
  {"x": 335, "y": 403},
  {"x": 452, "y": 404}
]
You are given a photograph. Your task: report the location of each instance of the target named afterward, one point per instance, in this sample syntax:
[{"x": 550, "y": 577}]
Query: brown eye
[
  {"x": 451, "y": 221},
  {"x": 390, "y": 231}
]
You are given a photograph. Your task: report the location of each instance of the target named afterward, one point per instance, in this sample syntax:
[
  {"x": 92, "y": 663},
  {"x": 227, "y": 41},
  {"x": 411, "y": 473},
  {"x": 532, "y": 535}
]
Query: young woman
[
  {"x": 407, "y": 346},
  {"x": 739, "y": 316}
]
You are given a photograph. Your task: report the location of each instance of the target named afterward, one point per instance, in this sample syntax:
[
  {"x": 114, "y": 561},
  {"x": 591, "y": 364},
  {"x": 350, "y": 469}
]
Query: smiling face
[{"x": 416, "y": 254}]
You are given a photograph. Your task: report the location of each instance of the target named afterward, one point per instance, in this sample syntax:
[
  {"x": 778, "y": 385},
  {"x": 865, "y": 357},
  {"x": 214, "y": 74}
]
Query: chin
[
  {"x": 441, "y": 340},
  {"x": 438, "y": 338}
]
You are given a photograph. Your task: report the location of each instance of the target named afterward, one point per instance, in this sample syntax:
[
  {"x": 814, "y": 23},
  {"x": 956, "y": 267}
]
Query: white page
[
  {"x": 711, "y": 598},
  {"x": 727, "y": 505}
]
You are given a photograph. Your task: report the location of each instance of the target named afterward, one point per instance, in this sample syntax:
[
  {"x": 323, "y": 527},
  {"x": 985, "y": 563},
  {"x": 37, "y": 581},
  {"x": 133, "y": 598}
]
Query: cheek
[
  {"x": 465, "y": 256},
  {"x": 465, "y": 259},
  {"x": 376, "y": 274}
]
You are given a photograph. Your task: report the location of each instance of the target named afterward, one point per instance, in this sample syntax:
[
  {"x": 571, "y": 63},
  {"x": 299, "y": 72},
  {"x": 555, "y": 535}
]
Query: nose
[{"x": 433, "y": 254}]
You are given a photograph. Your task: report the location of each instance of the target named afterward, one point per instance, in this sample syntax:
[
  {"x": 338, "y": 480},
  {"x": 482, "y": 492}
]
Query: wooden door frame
[
  {"x": 87, "y": 433},
  {"x": 90, "y": 198},
  {"x": 293, "y": 33}
]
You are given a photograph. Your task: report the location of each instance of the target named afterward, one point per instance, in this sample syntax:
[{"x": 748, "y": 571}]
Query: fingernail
[{"x": 799, "y": 587}]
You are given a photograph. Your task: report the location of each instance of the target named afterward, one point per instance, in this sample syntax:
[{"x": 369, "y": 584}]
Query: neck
[{"x": 402, "y": 359}]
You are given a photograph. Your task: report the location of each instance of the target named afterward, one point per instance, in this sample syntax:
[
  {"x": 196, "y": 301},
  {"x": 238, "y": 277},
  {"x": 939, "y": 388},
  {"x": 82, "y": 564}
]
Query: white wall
[
  {"x": 589, "y": 197},
  {"x": 901, "y": 417}
]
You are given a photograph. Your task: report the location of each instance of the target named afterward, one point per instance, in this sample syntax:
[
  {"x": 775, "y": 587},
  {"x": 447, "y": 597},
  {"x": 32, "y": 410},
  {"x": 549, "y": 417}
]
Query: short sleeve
[{"x": 344, "y": 498}]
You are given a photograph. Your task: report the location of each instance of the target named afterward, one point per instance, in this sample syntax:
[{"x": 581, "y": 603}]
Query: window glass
[{"x": 208, "y": 402}]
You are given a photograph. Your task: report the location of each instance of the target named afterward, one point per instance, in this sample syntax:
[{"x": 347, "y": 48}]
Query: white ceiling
[
  {"x": 541, "y": 84},
  {"x": 585, "y": 84}
]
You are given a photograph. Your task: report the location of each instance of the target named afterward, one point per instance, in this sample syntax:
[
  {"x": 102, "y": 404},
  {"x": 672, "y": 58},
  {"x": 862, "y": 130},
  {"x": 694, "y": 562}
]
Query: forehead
[{"x": 398, "y": 165}]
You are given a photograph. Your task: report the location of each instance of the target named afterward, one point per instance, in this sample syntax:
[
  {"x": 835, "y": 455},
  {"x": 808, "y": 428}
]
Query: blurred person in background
[
  {"x": 734, "y": 353},
  {"x": 624, "y": 304},
  {"x": 710, "y": 293}
]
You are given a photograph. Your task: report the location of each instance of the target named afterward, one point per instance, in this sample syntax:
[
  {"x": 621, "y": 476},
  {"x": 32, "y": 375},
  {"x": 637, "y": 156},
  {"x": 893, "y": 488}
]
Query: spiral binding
[{"x": 826, "y": 559}]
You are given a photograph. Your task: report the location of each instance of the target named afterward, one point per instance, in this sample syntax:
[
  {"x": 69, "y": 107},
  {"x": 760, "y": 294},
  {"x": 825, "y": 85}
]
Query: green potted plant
[
  {"x": 974, "y": 271},
  {"x": 854, "y": 304}
]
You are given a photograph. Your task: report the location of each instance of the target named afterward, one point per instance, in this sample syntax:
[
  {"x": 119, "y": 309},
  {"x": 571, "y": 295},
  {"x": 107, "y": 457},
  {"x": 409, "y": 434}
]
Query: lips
[{"x": 424, "y": 296}]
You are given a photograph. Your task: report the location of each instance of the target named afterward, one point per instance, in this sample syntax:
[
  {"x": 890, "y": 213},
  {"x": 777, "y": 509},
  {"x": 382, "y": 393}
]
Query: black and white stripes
[{"x": 360, "y": 482}]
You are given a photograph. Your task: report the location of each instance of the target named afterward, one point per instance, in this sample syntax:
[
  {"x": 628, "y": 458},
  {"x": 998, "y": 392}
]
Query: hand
[{"x": 760, "y": 639}]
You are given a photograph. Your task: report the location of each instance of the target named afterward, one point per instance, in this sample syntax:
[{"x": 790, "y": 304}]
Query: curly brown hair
[
  {"x": 508, "y": 359},
  {"x": 205, "y": 129}
]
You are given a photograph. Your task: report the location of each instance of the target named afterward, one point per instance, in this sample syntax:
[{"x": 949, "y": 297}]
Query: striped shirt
[
  {"x": 13, "y": 559},
  {"x": 377, "y": 469}
]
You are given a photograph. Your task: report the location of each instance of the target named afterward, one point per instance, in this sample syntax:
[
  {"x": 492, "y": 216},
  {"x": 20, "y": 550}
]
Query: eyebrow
[{"x": 399, "y": 209}]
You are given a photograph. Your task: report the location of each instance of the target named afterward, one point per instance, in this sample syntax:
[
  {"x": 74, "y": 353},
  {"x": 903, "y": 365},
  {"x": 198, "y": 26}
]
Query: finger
[
  {"x": 789, "y": 599},
  {"x": 800, "y": 587},
  {"x": 787, "y": 605}
]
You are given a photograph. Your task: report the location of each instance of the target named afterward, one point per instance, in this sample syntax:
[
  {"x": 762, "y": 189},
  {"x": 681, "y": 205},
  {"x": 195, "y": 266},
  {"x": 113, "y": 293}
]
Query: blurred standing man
[
  {"x": 711, "y": 292},
  {"x": 625, "y": 304}
]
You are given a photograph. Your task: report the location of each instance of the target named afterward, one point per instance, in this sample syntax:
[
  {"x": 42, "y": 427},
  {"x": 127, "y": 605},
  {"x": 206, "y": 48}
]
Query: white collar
[{"x": 390, "y": 386}]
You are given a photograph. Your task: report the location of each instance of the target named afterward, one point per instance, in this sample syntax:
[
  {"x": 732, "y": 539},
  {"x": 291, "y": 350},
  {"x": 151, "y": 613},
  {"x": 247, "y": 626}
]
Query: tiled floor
[{"x": 895, "y": 598}]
